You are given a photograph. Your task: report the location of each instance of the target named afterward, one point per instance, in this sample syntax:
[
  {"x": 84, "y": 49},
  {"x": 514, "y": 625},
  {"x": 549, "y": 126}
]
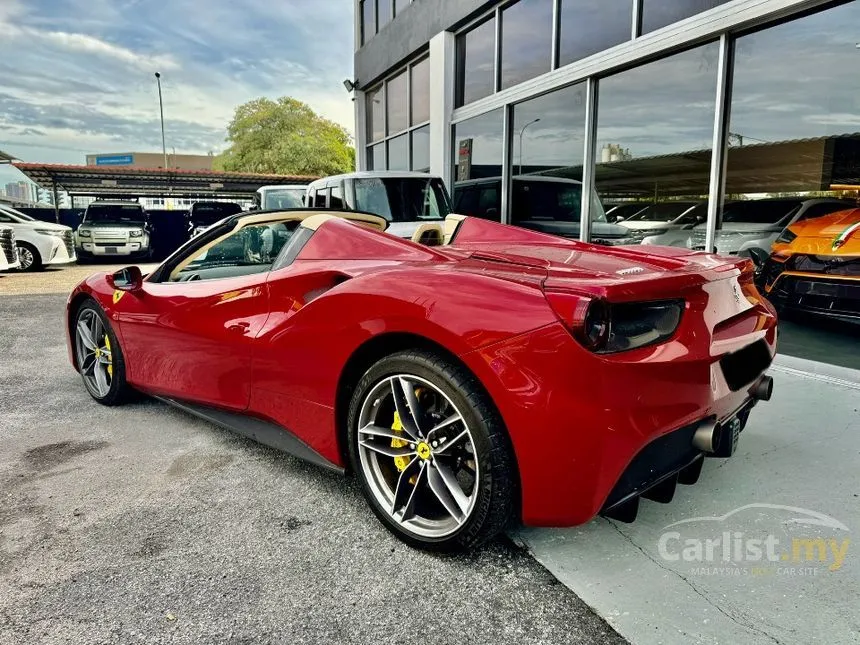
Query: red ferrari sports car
[{"x": 478, "y": 374}]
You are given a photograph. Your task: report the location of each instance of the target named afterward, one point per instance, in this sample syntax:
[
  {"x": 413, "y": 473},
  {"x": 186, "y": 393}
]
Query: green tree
[{"x": 287, "y": 137}]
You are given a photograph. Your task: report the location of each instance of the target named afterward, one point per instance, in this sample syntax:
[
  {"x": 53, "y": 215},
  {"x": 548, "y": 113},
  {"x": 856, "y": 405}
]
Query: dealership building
[{"x": 700, "y": 100}]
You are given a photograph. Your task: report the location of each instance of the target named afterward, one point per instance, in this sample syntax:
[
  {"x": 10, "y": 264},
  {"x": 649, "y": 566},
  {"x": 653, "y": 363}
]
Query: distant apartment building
[
  {"x": 151, "y": 160},
  {"x": 19, "y": 191}
]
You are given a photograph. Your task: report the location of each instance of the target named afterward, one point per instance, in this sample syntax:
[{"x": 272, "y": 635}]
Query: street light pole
[
  {"x": 521, "y": 142},
  {"x": 161, "y": 109}
]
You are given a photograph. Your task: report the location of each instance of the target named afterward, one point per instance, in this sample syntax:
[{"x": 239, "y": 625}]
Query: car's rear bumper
[
  {"x": 578, "y": 420},
  {"x": 828, "y": 296}
]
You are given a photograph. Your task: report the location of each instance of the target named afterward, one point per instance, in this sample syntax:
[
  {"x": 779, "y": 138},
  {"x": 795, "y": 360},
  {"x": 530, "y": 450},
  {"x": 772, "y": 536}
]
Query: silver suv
[{"x": 114, "y": 229}]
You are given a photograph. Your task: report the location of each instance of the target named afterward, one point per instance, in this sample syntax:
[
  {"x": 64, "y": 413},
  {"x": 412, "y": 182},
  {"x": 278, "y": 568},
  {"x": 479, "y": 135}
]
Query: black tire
[
  {"x": 119, "y": 391},
  {"x": 36, "y": 264},
  {"x": 497, "y": 486}
]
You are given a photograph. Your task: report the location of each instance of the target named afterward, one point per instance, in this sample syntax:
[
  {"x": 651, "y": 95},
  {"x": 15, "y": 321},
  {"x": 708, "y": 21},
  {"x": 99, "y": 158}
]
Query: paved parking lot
[{"x": 141, "y": 524}]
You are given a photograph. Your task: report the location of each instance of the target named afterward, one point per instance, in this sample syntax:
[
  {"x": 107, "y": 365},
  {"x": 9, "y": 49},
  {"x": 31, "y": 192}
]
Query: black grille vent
[
  {"x": 7, "y": 245},
  {"x": 69, "y": 241}
]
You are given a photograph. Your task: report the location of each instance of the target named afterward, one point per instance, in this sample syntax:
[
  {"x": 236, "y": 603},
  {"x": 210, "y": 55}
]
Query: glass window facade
[
  {"x": 655, "y": 127},
  {"x": 478, "y": 158},
  {"x": 548, "y": 144},
  {"x": 590, "y": 26},
  {"x": 421, "y": 149},
  {"x": 420, "y": 90},
  {"x": 525, "y": 53},
  {"x": 396, "y": 103},
  {"x": 660, "y": 13},
  {"x": 383, "y": 13},
  {"x": 397, "y": 115},
  {"x": 368, "y": 20},
  {"x": 398, "y": 153},
  {"x": 375, "y": 100},
  {"x": 476, "y": 63}
]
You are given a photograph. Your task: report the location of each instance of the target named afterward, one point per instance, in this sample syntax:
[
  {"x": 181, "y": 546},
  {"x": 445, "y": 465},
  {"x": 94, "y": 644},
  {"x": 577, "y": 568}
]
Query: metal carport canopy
[{"x": 98, "y": 181}]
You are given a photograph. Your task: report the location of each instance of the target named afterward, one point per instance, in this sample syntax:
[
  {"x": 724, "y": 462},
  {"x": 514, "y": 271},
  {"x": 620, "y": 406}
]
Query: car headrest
[
  {"x": 452, "y": 223},
  {"x": 429, "y": 234}
]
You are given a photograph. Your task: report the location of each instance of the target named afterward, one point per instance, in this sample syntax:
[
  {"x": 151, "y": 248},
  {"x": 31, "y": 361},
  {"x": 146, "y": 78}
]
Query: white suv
[
  {"x": 8, "y": 252},
  {"x": 39, "y": 243},
  {"x": 112, "y": 229}
]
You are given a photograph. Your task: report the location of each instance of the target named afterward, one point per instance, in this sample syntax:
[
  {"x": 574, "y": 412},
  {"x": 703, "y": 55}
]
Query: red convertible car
[{"x": 475, "y": 375}]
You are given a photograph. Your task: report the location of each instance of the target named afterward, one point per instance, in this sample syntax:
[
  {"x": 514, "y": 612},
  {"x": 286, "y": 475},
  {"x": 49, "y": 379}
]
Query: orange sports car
[{"x": 815, "y": 267}]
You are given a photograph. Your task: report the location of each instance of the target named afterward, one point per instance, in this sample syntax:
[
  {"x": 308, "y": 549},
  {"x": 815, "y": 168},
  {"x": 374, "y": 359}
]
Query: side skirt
[{"x": 263, "y": 432}]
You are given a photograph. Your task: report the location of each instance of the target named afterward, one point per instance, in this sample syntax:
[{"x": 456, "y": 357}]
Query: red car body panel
[{"x": 276, "y": 344}]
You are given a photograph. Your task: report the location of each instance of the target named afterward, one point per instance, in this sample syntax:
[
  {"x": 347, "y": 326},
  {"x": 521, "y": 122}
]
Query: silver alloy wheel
[
  {"x": 25, "y": 258},
  {"x": 418, "y": 456},
  {"x": 93, "y": 348}
]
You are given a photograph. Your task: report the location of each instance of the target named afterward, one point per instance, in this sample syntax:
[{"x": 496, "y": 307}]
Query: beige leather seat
[{"x": 429, "y": 234}]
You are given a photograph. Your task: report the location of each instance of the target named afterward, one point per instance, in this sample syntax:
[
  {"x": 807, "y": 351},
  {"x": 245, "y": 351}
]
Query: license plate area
[
  {"x": 110, "y": 249},
  {"x": 742, "y": 367}
]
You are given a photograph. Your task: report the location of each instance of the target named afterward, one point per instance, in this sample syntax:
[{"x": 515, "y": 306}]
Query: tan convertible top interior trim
[
  {"x": 429, "y": 234},
  {"x": 308, "y": 218},
  {"x": 452, "y": 223}
]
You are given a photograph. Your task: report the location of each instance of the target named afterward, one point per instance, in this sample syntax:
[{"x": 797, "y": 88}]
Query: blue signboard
[{"x": 114, "y": 160}]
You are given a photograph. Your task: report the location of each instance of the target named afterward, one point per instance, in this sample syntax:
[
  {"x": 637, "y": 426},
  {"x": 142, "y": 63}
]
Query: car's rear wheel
[
  {"x": 99, "y": 356},
  {"x": 434, "y": 460},
  {"x": 28, "y": 257}
]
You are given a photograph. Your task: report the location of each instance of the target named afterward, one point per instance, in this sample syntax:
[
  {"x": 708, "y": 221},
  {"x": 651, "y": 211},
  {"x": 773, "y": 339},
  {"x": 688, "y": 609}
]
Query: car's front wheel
[
  {"x": 430, "y": 450},
  {"x": 28, "y": 257},
  {"x": 99, "y": 356}
]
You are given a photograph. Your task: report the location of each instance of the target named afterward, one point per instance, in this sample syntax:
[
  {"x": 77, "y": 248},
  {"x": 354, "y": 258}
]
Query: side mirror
[{"x": 127, "y": 279}]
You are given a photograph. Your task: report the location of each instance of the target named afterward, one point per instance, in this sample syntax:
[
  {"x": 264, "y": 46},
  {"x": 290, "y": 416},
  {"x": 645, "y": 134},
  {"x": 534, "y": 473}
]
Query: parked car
[
  {"x": 749, "y": 224},
  {"x": 279, "y": 197},
  {"x": 39, "y": 243},
  {"x": 540, "y": 203},
  {"x": 815, "y": 267},
  {"x": 113, "y": 228},
  {"x": 498, "y": 373},
  {"x": 403, "y": 199},
  {"x": 654, "y": 219},
  {"x": 8, "y": 250},
  {"x": 202, "y": 215}
]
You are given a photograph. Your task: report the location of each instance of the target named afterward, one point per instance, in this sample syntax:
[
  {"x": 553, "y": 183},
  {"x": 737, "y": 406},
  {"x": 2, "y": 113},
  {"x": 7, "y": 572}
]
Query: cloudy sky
[{"x": 77, "y": 75}]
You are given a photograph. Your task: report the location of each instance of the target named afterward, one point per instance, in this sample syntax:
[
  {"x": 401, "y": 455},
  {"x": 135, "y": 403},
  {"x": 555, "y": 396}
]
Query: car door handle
[{"x": 239, "y": 328}]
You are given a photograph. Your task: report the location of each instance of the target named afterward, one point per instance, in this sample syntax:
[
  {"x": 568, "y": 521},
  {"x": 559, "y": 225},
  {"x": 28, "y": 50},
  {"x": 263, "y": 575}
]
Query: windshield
[
  {"x": 115, "y": 213},
  {"x": 10, "y": 215},
  {"x": 559, "y": 201},
  {"x": 758, "y": 212},
  {"x": 207, "y": 214},
  {"x": 283, "y": 198},
  {"x": 663, "y": 212},
  {"x": 402, "y": 199}
]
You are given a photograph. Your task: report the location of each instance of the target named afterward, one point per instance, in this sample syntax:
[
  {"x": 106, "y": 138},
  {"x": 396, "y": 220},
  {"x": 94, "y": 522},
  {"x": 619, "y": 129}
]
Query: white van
[
  {"x": 281, "y": 197},
  {"x": 404, "y": 199}
]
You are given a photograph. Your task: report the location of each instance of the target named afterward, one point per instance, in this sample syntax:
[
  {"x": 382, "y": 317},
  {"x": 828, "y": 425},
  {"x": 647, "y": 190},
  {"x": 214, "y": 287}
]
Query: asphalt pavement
[{"x": 141, "y": 524}]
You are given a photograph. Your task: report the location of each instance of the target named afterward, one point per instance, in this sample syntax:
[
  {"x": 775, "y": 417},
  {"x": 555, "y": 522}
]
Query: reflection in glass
[
  {"x": 420, "y": 92},
  {"x": 398, "y": 153},
  {"x": 476, "y": 63},
  {"x": 396, "y": 102},
  {"x": 368, "y": 22},
  {"x": 654, "y": 136},
  {"x": 376, "y": 157},
  {"x": 660, "y": 13},
  {"x": 526, "y": 41},
  {"x": 478, "y": 154},
  {"x": 375, "y": 114},
  {"x": 548, "y": 140},
  {"x": 383, "y": 13},
  {"x": 421, "y": 149},
  {"x": 793, "y": 146},
  {"x": 590, "y": 26}
]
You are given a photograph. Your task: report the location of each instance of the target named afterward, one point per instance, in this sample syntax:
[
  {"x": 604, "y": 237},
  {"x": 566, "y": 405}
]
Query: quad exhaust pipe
[{"x": 707, "y": 437}]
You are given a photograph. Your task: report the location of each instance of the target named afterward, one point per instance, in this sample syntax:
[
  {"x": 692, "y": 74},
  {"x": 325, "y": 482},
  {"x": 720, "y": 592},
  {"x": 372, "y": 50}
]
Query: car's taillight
[{"x": 606, "y": 328}]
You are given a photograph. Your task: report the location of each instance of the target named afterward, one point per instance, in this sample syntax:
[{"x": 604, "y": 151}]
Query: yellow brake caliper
[
  {"x": 400, "y": 462},
  {"x": 110, "y": 356}
]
